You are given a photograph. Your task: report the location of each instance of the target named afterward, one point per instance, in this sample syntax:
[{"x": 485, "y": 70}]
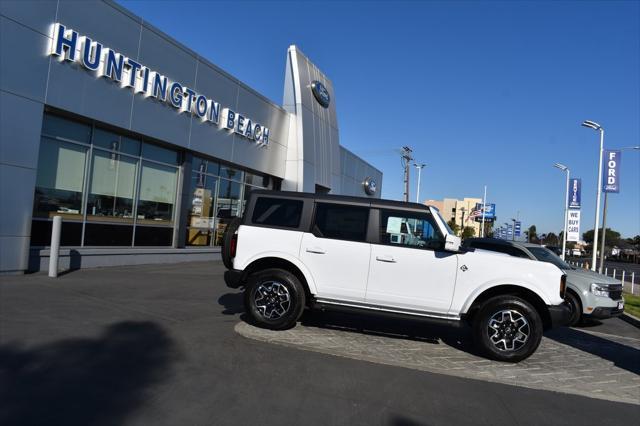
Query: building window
[
  {"x": 58, "y": 127},
  {"x": 157, "y": 194},
  {"x": 201, "y": 223},
  {"x": 230, "y": 173},
  {"x": 216, "y": 196},
  {"x": 60, "y": 180},
  {"x": 229, "y": 206},
  {"x": 111, "y": 191},
  {"x": 114, "y": 186},
  {"x": 115, "y": 190}
]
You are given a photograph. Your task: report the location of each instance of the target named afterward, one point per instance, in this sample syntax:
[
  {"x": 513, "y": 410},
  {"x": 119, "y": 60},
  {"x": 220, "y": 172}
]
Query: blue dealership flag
[
  {"x": 611, "y": 177},
  {"x": 575, "y": 188}
]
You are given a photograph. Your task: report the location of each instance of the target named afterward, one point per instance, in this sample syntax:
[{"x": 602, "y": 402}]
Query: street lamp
[
  {"x": 595, "y": 126},
  {"x": 566, "y": 211},
  {"x": 419, "y": 167}
]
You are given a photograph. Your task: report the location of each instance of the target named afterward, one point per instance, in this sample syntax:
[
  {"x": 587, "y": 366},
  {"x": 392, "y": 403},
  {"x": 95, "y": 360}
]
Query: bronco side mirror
[{"x": 452, "y": 243}]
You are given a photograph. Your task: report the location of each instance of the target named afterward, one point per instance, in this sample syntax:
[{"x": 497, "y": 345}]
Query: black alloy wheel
[{"x": 274, "y": 299}]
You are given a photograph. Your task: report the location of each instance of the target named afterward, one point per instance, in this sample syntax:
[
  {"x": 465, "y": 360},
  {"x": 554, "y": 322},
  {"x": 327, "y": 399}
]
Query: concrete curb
[{"x": 631, "y": 319}]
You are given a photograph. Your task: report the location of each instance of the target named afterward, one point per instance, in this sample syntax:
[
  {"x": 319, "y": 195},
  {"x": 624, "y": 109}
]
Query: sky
[{"x": 485, "y": 93}]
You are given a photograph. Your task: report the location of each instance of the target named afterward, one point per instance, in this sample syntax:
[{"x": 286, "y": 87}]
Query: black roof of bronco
[{"x": 371, "y": 202}]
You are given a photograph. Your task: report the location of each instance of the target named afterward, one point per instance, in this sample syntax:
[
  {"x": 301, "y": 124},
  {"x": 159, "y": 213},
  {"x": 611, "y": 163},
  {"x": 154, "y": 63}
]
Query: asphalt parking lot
[{"x": 167, "y": 345}]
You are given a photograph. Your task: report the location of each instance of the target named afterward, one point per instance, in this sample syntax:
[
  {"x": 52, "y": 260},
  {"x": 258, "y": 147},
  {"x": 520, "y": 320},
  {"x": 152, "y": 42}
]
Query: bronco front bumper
[{"x": 559, "y": 315}]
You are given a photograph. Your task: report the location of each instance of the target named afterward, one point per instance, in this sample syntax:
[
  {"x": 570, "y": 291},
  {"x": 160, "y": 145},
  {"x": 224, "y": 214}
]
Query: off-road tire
[
  {"x": 267, "y": 285},
  {"x": 225, "y": 250},
  {"x": 509, "y": 333}
]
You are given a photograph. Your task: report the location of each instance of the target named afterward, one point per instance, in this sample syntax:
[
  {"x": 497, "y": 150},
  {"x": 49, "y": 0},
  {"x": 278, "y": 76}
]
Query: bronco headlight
[{"x": 599, "y": 290}]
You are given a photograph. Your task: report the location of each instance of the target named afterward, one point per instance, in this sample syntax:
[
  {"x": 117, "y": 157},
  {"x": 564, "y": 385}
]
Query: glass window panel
[
  {"x": 202, "y": 193},
  {"x": 230, "y": 173},
  {"x": 156, "y": 153},
  {"x": 201, "y": 222},
  {"x": 228, "y": 206},
  {"x": 157, "y": 192},
  {"x": 277, "y": 212},
  {"x": 115, "y": 142},
  {"x": 70, "y": 234},
  {"x": 410, "y": 230},
  {"x": 112, "y": 186},
  {"x": 255, "y": 180},
  {"x": 61, "y": 127},
  {"x": 342, "y": 222},
  {"x": 60, "y": 178},
  {"x": 153, "y": 236},
  {"x": 199, "y": 236},
  {"x": 102, "y": 234},
  {"x": 228, "y": 199},
  {"x": 205, "y": 166}
]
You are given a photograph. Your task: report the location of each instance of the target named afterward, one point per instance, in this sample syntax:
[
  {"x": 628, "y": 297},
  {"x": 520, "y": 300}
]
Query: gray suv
[{"x": 589, "y": 295}]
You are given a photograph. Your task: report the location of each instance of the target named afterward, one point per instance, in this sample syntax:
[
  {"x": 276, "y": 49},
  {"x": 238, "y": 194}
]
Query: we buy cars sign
[{"x": 573, "y": 226}]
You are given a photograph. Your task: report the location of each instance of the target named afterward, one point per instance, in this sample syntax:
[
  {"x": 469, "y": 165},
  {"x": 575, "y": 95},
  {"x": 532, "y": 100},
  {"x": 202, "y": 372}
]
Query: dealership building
[{"x": 146, "y": 149}]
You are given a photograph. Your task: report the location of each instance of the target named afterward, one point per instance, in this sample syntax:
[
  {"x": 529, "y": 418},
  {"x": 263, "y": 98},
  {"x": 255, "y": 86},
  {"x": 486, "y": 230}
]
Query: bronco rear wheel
[
  {"x": 507, "y": 328},
  {"x": 274, "y": 298}
]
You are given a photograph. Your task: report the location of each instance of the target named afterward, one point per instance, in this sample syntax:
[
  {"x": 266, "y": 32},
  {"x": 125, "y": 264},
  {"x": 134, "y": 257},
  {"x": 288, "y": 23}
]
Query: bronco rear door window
[{"x": 341, "y": 222}]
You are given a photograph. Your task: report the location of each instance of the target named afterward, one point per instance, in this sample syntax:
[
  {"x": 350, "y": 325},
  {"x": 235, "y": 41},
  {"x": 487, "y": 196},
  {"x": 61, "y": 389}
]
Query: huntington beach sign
[{"x": 68, "y": 45}]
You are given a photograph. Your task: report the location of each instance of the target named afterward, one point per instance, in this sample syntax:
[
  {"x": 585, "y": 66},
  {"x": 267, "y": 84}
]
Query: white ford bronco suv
[{"x": 292, "y": 251}]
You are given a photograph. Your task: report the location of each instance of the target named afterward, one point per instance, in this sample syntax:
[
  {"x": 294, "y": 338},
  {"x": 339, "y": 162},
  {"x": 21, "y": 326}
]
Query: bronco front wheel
[{"x": 507, "y": 328}]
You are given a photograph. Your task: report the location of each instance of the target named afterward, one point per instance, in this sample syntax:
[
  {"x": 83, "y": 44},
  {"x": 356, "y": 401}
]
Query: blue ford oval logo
[
  {"x": 370, "y": 186},
  {"x": 320, "y": 93}
]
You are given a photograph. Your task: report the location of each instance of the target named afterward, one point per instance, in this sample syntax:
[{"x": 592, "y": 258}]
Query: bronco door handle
[
  {"x": 315, "y": 250},
  {"x": 388, "y": 259}
]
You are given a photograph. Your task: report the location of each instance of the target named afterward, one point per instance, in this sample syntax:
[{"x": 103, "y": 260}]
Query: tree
[
  {"x": 612, "y": 237},
  {"x": 468, "y": 232},
  {"x": 551, "y": 239},
  {"x": 454, "y": 226},
  {"x": 488, "y": 229},
  {"x": 635, "y": 241},
  {"x": 570, "y": 244},
  {"x": 532, "y": 234}
]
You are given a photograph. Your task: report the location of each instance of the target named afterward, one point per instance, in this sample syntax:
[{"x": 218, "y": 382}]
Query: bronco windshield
[{"x": 545, "y": 255}]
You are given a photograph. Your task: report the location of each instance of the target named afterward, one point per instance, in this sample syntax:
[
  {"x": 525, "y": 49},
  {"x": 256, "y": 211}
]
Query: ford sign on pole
[
  {"x": 575, "y": 186},
  {"x": 611, "y": 178}
]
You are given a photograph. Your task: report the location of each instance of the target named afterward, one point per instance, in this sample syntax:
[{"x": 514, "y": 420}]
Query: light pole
[
  {"x": 462, "y": 210},
  {"x": 595, "y": 126},
  {"x": 419, "y": 167},
  {"x": 604, "y": 219},
  {"x": 566, "y": 210}
]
